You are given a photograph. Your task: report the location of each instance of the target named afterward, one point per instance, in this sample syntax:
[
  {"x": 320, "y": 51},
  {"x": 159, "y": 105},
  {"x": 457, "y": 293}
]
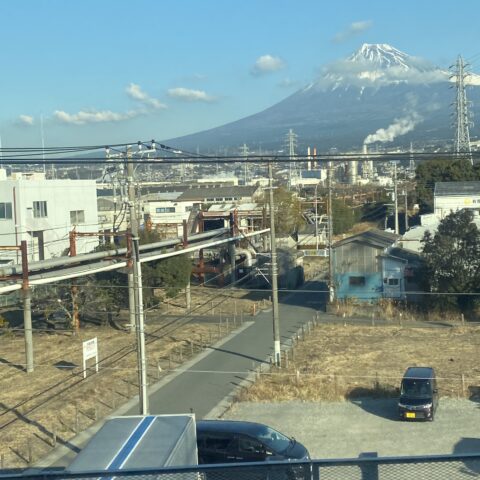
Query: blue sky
[{"x": 114, "y": 71}]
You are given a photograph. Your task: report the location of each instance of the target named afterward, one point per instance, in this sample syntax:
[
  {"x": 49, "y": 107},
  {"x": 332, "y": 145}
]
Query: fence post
[
  {"x": 54, "y": 436},
  {"x": 463, "y": 384},
  {"x": 29, "y": 451},
  {"x": 77, "y": 426},
  {"x": 369, "y": 469}
]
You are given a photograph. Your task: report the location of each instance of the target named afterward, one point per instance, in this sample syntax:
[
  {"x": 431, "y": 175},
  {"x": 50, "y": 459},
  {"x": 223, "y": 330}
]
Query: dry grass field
[
  {"x": 52, "y": 404},
  {"x": 336, "y": 362}
]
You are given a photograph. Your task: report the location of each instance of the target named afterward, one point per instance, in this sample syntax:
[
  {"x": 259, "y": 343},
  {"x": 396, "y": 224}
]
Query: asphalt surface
[
  {"x": 206, "y": 384},
  {"x": 351, "y": 428}
]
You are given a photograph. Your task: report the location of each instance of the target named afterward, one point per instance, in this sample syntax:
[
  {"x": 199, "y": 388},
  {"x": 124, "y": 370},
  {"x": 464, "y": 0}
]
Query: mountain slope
[{"x": 375, "y": 87}]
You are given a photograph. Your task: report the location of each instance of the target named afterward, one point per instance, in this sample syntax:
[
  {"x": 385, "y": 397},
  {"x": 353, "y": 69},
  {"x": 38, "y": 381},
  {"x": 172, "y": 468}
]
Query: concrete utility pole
[
  {"x": 138, "y": 292},
  {"x": 27, "y": 309},
  {"x": 316, "y": 218},
  {"x": 331, "y": 283},
  {"x": 274, "y": 274},
  {"x": 395, "y": 195},
  {"x": 406, "y": 208}
]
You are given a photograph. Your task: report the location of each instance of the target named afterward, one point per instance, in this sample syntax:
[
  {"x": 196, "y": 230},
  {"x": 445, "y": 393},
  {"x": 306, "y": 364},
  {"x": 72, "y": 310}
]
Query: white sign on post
[{"x": 90, "y": 350}]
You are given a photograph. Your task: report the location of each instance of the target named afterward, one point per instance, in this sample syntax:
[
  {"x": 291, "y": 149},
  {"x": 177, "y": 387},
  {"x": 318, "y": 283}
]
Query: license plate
[{"x": 410, "y": 415}]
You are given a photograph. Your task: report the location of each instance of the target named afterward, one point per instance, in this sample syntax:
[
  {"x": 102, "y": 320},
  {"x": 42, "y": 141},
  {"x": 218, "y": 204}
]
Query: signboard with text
[{"x": 90, "y": 350}]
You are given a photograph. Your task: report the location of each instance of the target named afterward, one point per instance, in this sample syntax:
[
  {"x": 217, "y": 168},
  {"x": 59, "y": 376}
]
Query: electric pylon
[
  {"x": 462, "y": 114},
  {"x": 244, "y": 151},
  {"x": 291, "y": 144}
]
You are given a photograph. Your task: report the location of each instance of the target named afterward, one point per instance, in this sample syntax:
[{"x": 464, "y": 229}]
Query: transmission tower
[
  {"x": 291, "y": 144},
  {"x": 244, "y": 153},
  {"x": 462, "y": 114}
]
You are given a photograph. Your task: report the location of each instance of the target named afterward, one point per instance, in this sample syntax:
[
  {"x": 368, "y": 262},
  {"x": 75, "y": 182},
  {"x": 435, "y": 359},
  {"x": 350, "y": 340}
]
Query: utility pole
[
  {"x": 395, "y": 195},
  {"x": 316, "y": 219},
  {"x": 274, "y": 274},
  {"x": 331, "y": 283},
  {"x": 406, "y": 209},
  {"x": 27, "y": 308},
  {"x": 137, "y": 288}
]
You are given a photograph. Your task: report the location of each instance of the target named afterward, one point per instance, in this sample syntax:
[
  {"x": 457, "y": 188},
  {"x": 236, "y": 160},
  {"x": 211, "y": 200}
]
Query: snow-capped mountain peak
[
  {"x": 381, "y": 55},
  {"x": 374, "y": 65}
]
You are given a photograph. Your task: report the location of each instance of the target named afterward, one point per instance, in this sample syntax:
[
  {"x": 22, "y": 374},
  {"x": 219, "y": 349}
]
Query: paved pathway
[{"x": 207, "y": 382}]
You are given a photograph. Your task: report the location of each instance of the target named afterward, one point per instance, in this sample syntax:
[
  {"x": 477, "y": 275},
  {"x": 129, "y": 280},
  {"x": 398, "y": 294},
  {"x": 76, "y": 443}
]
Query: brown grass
[
  {"x": 99, "y": 395},
  {"x": 337, "y": 362}
]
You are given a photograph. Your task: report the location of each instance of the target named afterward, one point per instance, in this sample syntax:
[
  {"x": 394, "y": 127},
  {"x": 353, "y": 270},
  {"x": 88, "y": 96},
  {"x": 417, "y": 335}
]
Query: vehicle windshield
[
  {"x": 274, "y": 440},
  {"x": 416, "y": 388}
]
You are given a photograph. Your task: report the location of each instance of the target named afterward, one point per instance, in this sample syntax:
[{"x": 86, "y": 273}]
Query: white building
[
  {"x": 167, "y": 213},
  {"x": 44, "y": 212},
  {"x": 452, "y": 196}
]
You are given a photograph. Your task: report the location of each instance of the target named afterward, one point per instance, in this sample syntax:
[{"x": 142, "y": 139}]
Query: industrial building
[
  {"x": 452, "y": 196},
  {"x": 43, "y": 213}
]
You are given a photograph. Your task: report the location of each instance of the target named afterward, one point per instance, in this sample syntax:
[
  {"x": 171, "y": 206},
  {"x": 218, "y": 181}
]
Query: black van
[
  {"x": 225, "y": 441},
  {"x": 418, "y": 394}
]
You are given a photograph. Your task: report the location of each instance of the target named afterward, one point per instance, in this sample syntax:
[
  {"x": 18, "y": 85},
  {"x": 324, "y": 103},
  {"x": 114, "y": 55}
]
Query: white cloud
[
  {"x": 93, "y": 116},
  {"x": 26, "y": 119},
  {"x": 135, "y": 91},
  {"x": 353, "y": 29},
  {"x": 190, "y": 95},
  {"x": 267, "y": 64}
]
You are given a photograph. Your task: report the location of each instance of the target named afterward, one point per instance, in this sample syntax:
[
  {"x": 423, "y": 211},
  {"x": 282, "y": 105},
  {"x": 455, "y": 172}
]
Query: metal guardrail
[
  {"x": 437, "y": 467},
  {"x": 322, "y": 252}
]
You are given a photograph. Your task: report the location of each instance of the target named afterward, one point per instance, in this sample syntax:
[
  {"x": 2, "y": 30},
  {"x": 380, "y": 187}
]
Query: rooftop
[
  {"x": 456, "y": 188},
  {"x": 375, "y": 238}
]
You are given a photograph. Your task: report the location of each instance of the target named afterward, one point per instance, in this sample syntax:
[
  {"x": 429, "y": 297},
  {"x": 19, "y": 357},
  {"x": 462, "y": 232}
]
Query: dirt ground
[
  {"x": 336, "y": 362},
  {"x": 52, "y": 404}
]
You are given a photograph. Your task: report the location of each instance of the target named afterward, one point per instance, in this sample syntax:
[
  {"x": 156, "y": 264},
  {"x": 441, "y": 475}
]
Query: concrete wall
[
  {"x": 62, "y": 197},
  {"x": 445, "y": 204}
]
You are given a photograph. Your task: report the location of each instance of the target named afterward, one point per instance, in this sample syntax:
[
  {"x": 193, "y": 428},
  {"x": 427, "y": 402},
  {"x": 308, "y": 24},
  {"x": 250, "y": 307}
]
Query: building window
[
  {"x": 393, "y": 281},
  {"x": 5, "y": 211},
  {"x": 77, "y": 216},
  {"x": 165, "y": 210},
  {"x": 39, "y": 209},
  {"x": 356, "y": 281}
]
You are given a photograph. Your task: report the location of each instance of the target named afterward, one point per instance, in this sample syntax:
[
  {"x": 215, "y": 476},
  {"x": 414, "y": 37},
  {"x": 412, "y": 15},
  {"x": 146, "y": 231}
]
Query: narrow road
[{"x": 206, "y": 383}]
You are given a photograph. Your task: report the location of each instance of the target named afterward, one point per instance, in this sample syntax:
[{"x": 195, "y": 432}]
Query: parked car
[
  {"x": 225, "y": 441},
  {"x": 418, "y": 394}
]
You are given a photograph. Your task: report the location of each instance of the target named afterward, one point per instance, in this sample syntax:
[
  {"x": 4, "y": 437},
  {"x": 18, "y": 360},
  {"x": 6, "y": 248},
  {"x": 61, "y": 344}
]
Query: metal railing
[{"x": 437, "y": 467}]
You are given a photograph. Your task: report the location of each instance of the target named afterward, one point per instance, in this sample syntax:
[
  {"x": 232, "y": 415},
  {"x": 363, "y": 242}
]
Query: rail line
[{"x": 77, "y": 378}]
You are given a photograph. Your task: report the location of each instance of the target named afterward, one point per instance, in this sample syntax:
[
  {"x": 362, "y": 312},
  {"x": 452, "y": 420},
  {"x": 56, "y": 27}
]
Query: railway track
[{"x": 20, "y": 411}]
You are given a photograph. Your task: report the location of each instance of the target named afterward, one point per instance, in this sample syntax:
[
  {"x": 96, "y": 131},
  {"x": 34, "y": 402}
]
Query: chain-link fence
[{"x": 439, "y": 467}]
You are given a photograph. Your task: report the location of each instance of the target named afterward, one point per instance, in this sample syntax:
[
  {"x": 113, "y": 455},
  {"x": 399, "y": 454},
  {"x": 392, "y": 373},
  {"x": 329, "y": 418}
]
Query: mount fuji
[{"x": 378, "y": 94}]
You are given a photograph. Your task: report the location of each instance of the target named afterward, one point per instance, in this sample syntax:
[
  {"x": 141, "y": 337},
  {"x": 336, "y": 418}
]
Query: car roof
[
  {"x": 419, "y": 372},
  {"x": 231, "y": 426}
]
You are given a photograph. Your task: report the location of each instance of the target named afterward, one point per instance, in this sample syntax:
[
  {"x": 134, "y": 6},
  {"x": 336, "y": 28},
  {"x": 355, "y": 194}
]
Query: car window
[
  {"x": 416, "y": 388},
  {"x": 216, "y": 442},
  {"x": 250, "y": 445},
  {"x": 274, "y": 440}
]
